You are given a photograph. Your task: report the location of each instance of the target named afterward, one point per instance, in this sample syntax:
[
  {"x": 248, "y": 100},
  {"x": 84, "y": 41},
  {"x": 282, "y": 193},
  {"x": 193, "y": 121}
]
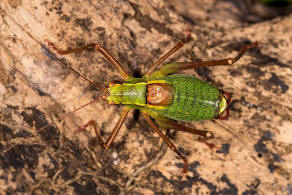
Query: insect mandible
[{"x": 163, "y": 95}]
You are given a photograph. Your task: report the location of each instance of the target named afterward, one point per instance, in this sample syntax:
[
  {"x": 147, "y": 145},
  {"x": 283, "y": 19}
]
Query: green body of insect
[
  {"x": 164, "y": 95},
  {"x": 188, "y": 98}
]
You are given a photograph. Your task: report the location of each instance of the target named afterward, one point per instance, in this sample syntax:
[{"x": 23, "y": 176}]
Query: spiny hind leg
[
  {"x": 165, "y": 122},
  {"x": 179, "y": 66},
  {"x": 169, "y": 123}
]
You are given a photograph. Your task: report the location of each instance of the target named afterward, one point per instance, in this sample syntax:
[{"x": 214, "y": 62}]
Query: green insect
[{"x": 163, "y": 95}]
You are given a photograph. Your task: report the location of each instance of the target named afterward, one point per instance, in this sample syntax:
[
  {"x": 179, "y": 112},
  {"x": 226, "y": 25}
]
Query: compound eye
[{"x": 111, "y": 84}]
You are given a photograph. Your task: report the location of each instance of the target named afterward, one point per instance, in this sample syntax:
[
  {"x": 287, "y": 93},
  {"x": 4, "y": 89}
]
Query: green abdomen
[{"x": 194, "y": 99}]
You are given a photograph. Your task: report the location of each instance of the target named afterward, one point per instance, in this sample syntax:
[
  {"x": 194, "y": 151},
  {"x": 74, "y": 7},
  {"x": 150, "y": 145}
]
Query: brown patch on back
[{"x": 160, "y": 94}]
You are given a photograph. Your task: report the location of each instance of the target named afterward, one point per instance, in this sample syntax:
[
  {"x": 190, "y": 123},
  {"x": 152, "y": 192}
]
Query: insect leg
[
  {"x": 170, "y": 52},
  {"x": 167, "y": 141},
  {"x": 178, "y": 66},
  {"x": 114, "y": 133},
  {"x": 100, "y": 49},
  {"x": 166, "y": 55},
  {"x": 169, "y": 123},
  {"x": 166, "y": 122}
]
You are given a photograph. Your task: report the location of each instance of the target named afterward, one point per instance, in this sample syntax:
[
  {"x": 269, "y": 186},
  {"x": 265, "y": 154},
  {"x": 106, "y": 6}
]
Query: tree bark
[{"x": 42, "y": 153}]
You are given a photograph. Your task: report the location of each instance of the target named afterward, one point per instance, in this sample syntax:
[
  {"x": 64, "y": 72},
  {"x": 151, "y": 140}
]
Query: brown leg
[
  {"x": 100, "y": 49},
  {"x": 227, "y": 61},
  {"x": 114, "y": 133},
  {"x": 167, "y": 141},
  {"x": 158, "y": 62},
  {"x": 178, "y": 66},
  {"x": 170, "y": 52},
  {"x": 180, "y": 127},
  {"x": 169, "y": 123}
]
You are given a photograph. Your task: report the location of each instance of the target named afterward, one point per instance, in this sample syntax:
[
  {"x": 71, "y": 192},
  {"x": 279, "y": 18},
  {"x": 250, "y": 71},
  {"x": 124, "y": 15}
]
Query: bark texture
[{"x": 253, "y": 148}]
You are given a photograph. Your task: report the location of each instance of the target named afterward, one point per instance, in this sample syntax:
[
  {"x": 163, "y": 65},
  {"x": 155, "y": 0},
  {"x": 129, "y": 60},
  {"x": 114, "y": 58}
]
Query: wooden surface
[{"x": 253, "y": 153}]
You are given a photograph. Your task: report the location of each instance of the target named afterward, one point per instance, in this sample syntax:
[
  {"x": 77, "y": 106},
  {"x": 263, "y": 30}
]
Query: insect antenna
[
  {"x": 94, "y": 100},
  {"x": 53, "y": 124},
  {"x": 71, "y": 112},
  {"x": 103, "y": 97}
]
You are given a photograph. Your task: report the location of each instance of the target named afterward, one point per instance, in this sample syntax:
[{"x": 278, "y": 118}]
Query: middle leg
[
  {"x": 170, "y": 52},
  {"x": 167, "y": 141}
]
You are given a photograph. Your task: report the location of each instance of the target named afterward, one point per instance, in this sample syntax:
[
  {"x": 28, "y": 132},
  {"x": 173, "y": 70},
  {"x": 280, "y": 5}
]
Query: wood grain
[{"x": 253, "y": 152}]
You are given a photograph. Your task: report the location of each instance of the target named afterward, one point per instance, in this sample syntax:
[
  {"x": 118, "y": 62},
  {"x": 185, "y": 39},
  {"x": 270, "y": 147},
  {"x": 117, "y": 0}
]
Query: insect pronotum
[{"x": 163, "y": 95}]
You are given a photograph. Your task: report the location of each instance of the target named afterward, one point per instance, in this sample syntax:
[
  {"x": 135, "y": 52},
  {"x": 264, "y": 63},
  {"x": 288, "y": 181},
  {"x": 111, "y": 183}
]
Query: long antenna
[
  {"x": 95, "y": 100},
  {"x": 68, "y": 113}
]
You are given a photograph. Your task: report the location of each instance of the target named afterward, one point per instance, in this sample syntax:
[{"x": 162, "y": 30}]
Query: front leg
[
  {"x": 100, "y": 49},
  {"x": 109, "y": 141}
]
